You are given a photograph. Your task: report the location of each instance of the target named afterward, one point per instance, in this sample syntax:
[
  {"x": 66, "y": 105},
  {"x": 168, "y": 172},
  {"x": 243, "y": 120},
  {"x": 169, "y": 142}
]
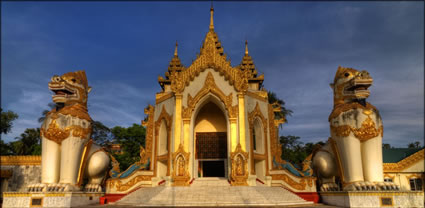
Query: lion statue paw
[
  {"x": 61, "y": 187},
  {"x": 388, "y": 186},
  {"x": 93, "y": 188},
  {"x": 361, "y": 186},
  {"x": 38, "y": 187},
  {"x": 329, "y": 187}
]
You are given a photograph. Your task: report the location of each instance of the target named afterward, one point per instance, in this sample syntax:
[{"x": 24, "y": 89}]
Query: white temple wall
[{"x": 199, "y": 81}]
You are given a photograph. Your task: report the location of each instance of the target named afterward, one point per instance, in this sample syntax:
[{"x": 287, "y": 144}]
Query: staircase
[{"x": 212, "y": 192}]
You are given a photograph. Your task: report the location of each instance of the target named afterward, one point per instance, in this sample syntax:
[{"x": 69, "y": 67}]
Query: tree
[
  {"x": 276, "y": 102},
  {"x": 295, "y": 151},
  {"x": 28, "y": 143},
  {"x": 45, "y": 112},
  {"x": 5, "y": 148},
  {"x": 7, "y": 119},
  {"x": 416, "y": 145},
  {"x": 101, "y": 134},
  {"x": 386, "y": 146},
  {"x": 131, "y": 139}
]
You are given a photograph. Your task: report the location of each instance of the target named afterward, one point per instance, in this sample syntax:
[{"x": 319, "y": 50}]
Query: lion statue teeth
[
  {"x": 353, "y": 155},
  {"x": 68, "y": 154}
]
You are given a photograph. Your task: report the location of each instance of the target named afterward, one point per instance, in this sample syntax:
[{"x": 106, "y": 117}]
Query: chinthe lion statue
[
  {"x": 353, "y": 154},
  {"x": 68, "y": 153}
]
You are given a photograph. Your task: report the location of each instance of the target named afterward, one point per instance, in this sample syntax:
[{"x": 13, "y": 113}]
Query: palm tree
[
  {"x": 45, "y": 112},
  {"x": 28, "y": 143}
]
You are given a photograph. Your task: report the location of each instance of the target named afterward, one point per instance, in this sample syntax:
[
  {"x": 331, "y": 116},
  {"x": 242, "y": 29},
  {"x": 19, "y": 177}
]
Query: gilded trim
[
  {"x": 20, "y": 160},
  {"x": 405, "y": 163},
  {"x": 163, "y": 98},
  {"x": 338, "y": 159},
  {"x": 260, "y": 95},
  {"x": 181, "y": 175},
  {"x": 149, "y": 124},
  {"x": 365, "y": 132},
  {"x": 211, "y": 57},
  {"x": 83, "y": 162},
  {"x": 210, "y": 87}
]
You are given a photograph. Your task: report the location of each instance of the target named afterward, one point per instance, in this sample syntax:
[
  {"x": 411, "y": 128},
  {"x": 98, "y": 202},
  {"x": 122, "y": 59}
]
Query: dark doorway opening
[{"x": 213, "y": 168}]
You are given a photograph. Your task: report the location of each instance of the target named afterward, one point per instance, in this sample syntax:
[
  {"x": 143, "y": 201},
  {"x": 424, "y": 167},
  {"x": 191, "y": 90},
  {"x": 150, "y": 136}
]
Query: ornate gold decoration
[
  {"x": 239, "y": 160},
  {"x": 20, "y": 160},
  {"x": 83, "y": 162},
  {"x": 162, "y": 98},
  {"x": 338, "y": 159},
  {"x": 288, "y": 180},
  {"x": 57, "y": 134},
  {"x": 344, "y": 107},
  {"x": 259, "y": 95},
  {"x": 405, "y": 163},
  {"x": 130, "y": 184},
  {"x": 275, "y": 146},
  {"x": 181, "y": 174},
  {"x": 149, "y": 125},
  {"x": 210, "y": 86},
  {"x": 115, "y": 165},
  {"x": 365, "y": 132},
  {"x": 168, "y": 122},
  {"x": 142, "y": 154},
  {"x": 256, "y": 113}
]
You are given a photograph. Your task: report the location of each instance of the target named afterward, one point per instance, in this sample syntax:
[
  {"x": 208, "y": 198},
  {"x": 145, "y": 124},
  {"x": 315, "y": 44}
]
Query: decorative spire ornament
[
  {"x": 246, "y": 47},
  {"x": 212, "y": 17},
  {"x": 175, "y": 50}
]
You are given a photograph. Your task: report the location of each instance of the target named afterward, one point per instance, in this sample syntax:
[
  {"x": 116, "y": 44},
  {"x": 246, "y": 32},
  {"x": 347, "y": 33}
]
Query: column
[
  {"x": 233, "y": 134},
  {"x": 178, "y": 123},
  {"x": 241, "y": 102},
  {"x": 186, "y": 133}
]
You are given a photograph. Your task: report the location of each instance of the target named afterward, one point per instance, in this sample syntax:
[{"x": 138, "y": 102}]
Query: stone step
[{"x": 212, "y": 195}]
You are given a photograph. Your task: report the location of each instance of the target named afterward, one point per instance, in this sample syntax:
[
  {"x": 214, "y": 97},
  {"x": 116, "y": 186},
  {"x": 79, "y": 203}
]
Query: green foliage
[
  {"x": 6, "y": 122},
  {"x": 131, "y": 139},
  {"x": 276, "y": 102},
  {"x": 28, "y": 143},
  {"x": 5, "y": 148},
  {"x": 415, "y": 145},
  {"x": 101, "y": 134},
  {"x": 295, "y": 151}
]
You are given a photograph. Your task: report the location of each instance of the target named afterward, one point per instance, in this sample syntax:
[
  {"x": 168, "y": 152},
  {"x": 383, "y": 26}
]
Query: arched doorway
[{"x": 210, "y": 141}]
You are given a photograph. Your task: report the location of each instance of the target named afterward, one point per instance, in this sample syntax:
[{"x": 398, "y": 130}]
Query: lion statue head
[
  {"x": 351, "y": 85},
  {"x": 70, "y": 88}
]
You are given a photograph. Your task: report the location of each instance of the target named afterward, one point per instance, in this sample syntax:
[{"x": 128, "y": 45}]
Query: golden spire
[
  {"x": 212, "y": 17},
  {"x": 175, "y": 50},
  {"x": 246, "y": 47}
]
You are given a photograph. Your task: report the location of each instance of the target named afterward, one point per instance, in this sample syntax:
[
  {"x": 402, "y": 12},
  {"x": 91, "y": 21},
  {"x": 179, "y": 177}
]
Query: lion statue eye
[
  {"x": 347, "y": 74},
  {"x": 73, "y": 80}
]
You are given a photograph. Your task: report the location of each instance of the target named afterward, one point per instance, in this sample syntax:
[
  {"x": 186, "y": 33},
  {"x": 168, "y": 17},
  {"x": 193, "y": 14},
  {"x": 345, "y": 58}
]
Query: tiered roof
[{"x": 246, "y": 69}]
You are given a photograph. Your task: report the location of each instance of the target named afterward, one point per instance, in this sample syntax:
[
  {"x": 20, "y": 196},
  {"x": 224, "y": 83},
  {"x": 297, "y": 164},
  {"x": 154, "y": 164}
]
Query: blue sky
[{"x": 124, "y": 46}]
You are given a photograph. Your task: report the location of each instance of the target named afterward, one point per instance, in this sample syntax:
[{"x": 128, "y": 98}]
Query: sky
[{"x": 124, "y": 46}]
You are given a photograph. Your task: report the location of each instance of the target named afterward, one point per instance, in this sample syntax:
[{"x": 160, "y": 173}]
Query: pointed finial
[
  {"x": 175, "y": 51},
  {"x": 212, "y": 17},
  {"x": 246, "y": 47}
]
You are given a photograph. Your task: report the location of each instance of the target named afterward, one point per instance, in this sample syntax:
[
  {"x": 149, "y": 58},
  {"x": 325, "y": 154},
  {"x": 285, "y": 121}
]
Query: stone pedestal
[
  {"x": 51, "y": 199},
  {"x": 374, "y": 198}
]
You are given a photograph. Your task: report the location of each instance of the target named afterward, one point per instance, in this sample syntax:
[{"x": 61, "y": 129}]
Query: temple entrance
[
  {"x": 211, "y": 153},
  {"x": 210, "y": 135}
]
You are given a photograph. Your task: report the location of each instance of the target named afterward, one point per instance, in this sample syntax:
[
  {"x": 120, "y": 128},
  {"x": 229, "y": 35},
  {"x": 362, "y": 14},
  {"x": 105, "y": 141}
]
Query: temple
[{"x": 212, "y": 119}]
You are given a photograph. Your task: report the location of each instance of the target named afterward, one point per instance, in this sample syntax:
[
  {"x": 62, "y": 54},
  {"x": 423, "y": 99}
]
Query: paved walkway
[{"x": 212, "y": 192}]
